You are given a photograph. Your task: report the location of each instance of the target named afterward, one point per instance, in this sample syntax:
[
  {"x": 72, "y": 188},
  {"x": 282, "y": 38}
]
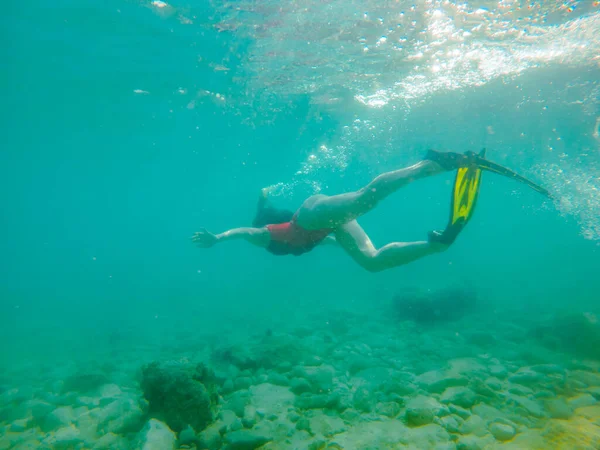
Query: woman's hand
[{"x": 204, "y": 238}]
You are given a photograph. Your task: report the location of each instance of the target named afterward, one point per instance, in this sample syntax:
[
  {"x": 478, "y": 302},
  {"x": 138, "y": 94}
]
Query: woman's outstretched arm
[{"x": 256, "y": 236}]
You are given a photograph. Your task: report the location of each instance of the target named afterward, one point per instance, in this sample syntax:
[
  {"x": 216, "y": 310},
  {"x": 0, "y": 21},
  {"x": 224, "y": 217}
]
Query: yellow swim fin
[{"x": 464, "y": 198}]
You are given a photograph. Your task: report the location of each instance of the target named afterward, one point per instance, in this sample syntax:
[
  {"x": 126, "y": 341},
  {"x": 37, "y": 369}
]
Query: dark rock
[
  {"x": 84, "y": 382},
  {"x": 438, "y": 306},
  {"x": 181, "y": 393},
  {"x": 578, "y": 334},
  {"x": 310, "y": 401},
  {"x": 245, "y": 440},
  {"x": 299, "y": 386}
]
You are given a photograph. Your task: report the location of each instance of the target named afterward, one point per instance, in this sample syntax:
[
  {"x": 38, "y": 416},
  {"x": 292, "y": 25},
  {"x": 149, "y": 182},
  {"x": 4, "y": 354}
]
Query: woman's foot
[{"x": 450, "y": 160}]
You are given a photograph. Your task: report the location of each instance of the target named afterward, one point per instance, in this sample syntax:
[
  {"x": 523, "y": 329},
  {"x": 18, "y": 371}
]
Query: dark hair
[{"x": 271, "y": 216}]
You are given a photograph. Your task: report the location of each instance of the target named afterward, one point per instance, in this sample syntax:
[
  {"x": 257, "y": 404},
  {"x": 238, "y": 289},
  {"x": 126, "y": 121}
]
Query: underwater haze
[{"x": 127, "y": 126}]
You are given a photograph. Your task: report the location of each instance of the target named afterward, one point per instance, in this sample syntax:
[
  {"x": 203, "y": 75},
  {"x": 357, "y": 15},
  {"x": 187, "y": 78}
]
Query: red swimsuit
[{"x": 290, "y": 238}]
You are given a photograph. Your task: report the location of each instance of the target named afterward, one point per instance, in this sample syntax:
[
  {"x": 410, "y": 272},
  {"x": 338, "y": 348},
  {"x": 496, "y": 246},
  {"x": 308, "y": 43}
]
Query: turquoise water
[{"x": 127, "y": 126}]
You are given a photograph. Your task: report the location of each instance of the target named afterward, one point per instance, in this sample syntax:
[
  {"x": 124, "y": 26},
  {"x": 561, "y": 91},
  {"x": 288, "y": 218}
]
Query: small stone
[
  {"x": 431, "y": 436},
  {"x": 60, "y": 417},
  {"x": 501, "y": 431},
  {"x": 548, "y": 369},
  {"x": 111, "y": 441},
  {"x": 436, "y": 381},
  {"x": 526, "y": 378},
  {"x": 121, "y": 416},
  {"x": 350, "y": 415},
  {"x": 544, "y": 394},
  {"x": 474, "y": 425},
  {"x": 39, "y": 409},
  {"x": 210, "y": 437},
  {"x": 228, "y": 386},
  {"x": 309, "y": 401},
  {"x": 558, "y": 408},
  {"x": 461, "y": 396},
  {"x": 518, "y": 389},
  {"x": 227, "y": 416},
  {"x": 248, "y": 423},
  {"x": 589, "y": 412},
  {"x": 487, "y": 412},
  {"x": 245, "y": 440},
  {"x": 92, "y": 402},
  {"x": 299, "y": 386},
  {"x": 321, "y": 378},
  {"x": 19, "y": 426},
  {"x": 236, "y": 425},
  {"x": 363, "y": 400},
  {"x": 242, "y": 383},
  {"x": 65, "y": 438},
  {"x": 293, "y": 416},
  {"x": 156, "y": 436},
  {"x": 460, "y": 412},
  {"x": 187, "y": 436},
  {"x": 416, "y": 417},
  {"x": 237, "y": 402},
  {"x": 388, "y": 409},
  {"x": 494, "y": 383},
  {"x": 278, "y": 379},
  {"x": 303, "y": 424},
  {"x": 326, "y": 425},
  {"x": 421, "y": 411},
  {"x": 400, "y": 388},
  {"x": 262, "y": 378},
  {"x": 529, "y": 405},
  {"x": 32, "y": 444},
  {"x": 318, "y": 444},
  {"x": 110, "y": 391},
  {"x": 470, "y": 442},
  {"x": 451, "y": 423},
  {"x": 582, "y": 401},
  {"x": 498, "y": 371}
]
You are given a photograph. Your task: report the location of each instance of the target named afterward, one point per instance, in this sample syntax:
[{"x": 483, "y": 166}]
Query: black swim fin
[
  {"x": 490, "y": 166},
  {"x": 453, "y": 160},
  {"x": 464, "y": 198}
]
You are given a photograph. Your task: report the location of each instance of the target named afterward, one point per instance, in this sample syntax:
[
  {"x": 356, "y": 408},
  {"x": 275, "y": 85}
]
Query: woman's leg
[
  {"x": 321, "y": 211},
  {"x": 353, "y": 239}
]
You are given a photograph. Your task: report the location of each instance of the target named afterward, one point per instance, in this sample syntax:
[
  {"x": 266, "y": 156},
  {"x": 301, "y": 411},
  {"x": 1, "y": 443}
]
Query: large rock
[
  {"x": 183, "y": 394},
  {"x": 578, "y": 334},
  {"x": 156, "y": 436},
  {"x": 84, "y": 382},
  {"x": 428, "y": 307}
]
